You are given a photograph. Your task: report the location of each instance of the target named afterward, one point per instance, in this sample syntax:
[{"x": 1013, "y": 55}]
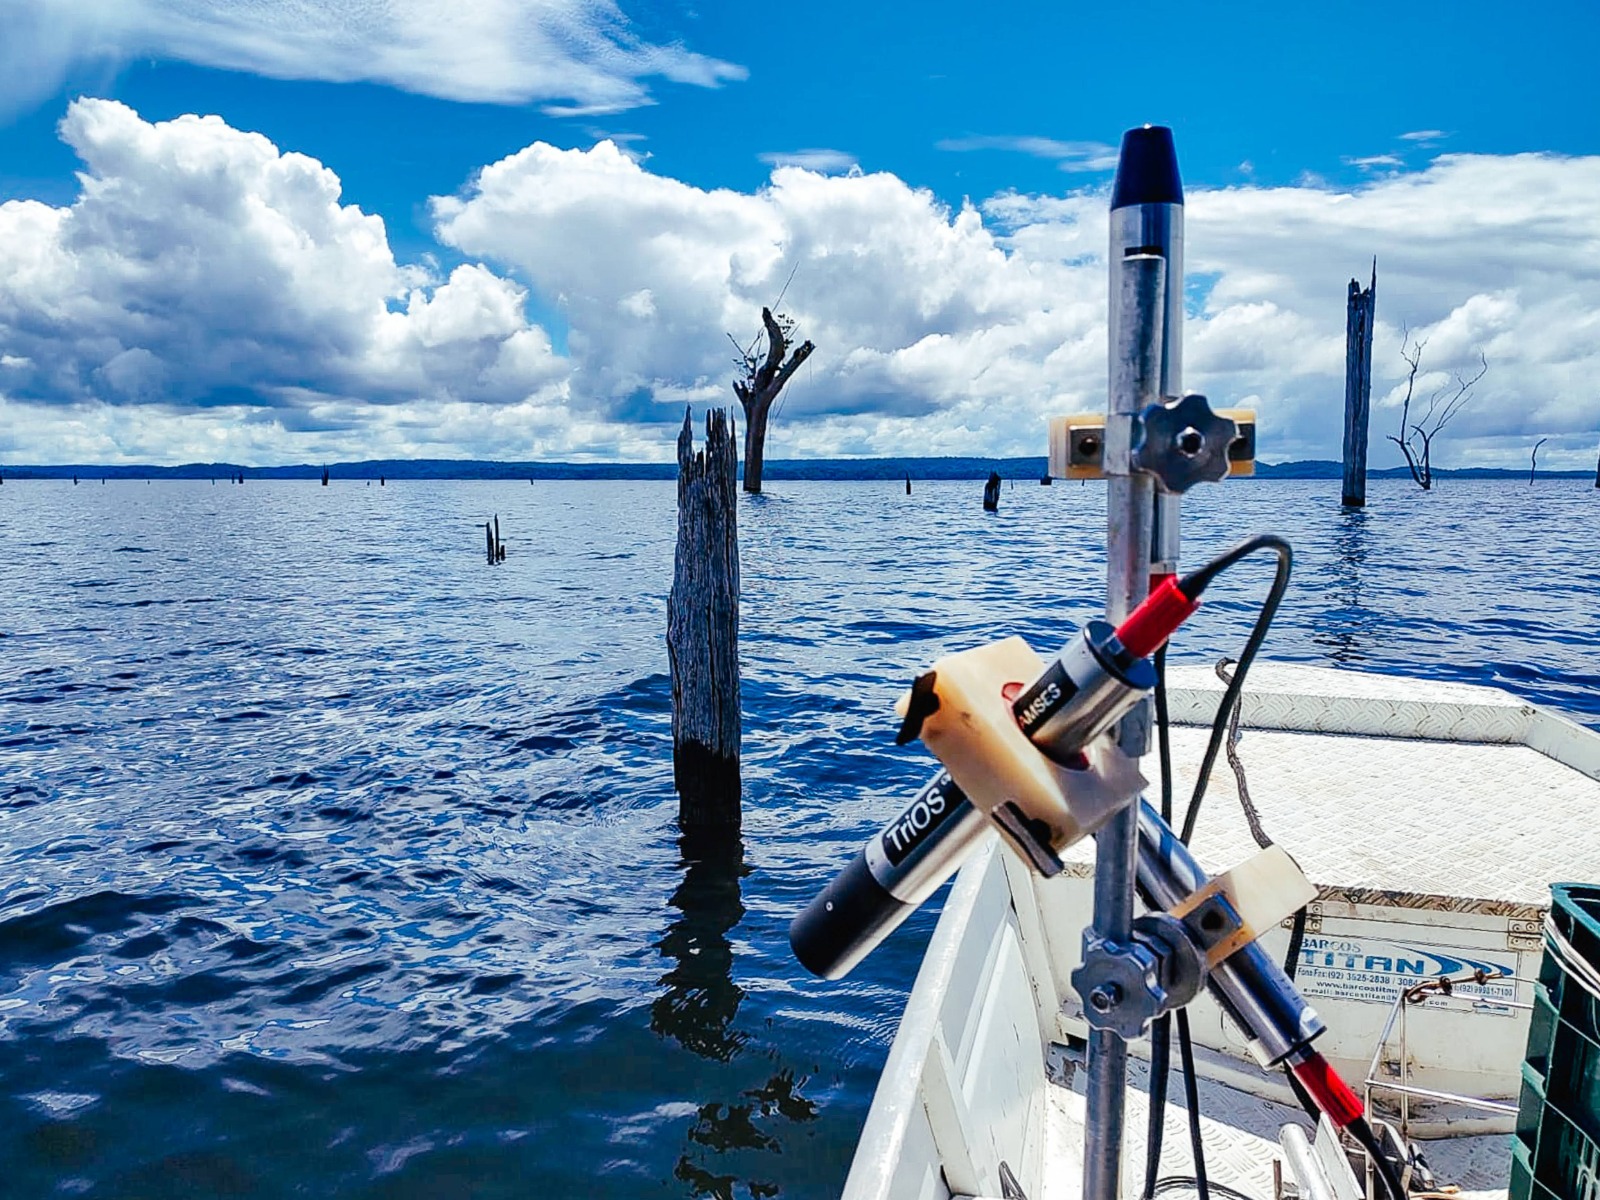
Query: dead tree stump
[
  {"x": 494, "y": 549},
  {"x": 991, "y": 493},
  {"x": 1358, "y": 387},
  {"x": 703, "y": 630}
]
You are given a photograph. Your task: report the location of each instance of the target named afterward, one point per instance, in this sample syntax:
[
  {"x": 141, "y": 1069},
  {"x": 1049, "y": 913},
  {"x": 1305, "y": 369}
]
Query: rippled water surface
[{"x": 335, "y": 862}]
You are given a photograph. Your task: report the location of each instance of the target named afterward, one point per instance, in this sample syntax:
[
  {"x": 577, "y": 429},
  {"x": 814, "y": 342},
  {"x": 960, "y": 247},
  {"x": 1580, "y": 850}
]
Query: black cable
[
  {"x": 1388, "y": 1173},
  {"x": 1161, "y": 1029},
  {"x": 1173, "y": 1183},
  {"x": 1160, "y": 1044},
  {"x": 1160, "y": 1066},
  {"x": 1303, "y": 1096},
  {"x": 1297, "y": 938},
  {"x": 1163, "y": 732},
  {"x": 1197, "y": 580},
  {"x": 1191, "y": 1094},
  {"x": 1230, "y": 696}
]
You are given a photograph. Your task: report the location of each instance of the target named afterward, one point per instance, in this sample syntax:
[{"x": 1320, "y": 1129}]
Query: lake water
[{"x": 336, "y": 862}]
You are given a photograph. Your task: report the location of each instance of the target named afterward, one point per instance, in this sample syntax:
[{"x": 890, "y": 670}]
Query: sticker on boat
[{"x": 1375, "y": 969}]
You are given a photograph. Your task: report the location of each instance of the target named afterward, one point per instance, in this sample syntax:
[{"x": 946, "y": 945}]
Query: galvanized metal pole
[{"x": 1146, "y": 313}]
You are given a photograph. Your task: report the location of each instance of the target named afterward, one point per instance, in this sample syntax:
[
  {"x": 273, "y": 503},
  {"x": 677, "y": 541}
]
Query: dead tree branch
[{"x": 1416, "y": 438}]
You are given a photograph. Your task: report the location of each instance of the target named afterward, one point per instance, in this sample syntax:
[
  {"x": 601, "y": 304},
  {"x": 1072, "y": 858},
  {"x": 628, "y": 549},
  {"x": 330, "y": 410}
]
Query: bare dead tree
[
  {"x": 765, "y": 373},
  {"x": 1534, "y": 465},
  {"x": 1416, "y": 438}
]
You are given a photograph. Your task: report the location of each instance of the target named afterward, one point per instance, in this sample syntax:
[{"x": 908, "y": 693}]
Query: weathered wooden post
[
  {"x": 488, "y": 541},
  {"x": 908, "y": 485},
  {"x": 324, "y": 476},
  {"x": 1358, "y": 387},
  {"x": 991, "y": 493},
  {"x": 703, "y": 629}
]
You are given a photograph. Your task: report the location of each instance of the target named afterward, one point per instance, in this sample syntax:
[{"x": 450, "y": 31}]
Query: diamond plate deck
[{"x": 1465, "y": 820}]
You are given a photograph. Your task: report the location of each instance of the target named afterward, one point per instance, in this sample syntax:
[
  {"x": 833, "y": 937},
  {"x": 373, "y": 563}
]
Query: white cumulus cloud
[
  {"x": 207, "y": 289},
  {"x": 952, "y": 331},
  {"x": 923, "y": 321},
  {"x": 202, "y": 268}
]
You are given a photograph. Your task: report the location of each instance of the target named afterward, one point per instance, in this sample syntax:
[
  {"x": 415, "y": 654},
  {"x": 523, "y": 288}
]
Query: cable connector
[
  {"x": 1158, "y": 617},
  {"x": 1332, "y": 1094}
]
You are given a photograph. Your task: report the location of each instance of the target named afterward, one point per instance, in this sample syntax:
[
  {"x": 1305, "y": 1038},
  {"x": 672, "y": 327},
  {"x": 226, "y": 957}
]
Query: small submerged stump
[
  {"x": 494, "y": 548},
  {"x": 703, "y": 629}
]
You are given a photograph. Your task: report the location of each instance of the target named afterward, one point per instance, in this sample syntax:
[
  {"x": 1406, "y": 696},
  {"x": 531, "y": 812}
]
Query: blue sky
[{"x": 1443, "y": 124}]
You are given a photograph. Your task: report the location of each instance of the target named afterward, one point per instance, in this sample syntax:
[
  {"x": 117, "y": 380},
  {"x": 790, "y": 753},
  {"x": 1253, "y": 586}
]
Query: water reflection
[
  {"x": 1349, "y": 626},
  {"x": 730, "y": 1142},
  {"x": 701, "y": 999}
]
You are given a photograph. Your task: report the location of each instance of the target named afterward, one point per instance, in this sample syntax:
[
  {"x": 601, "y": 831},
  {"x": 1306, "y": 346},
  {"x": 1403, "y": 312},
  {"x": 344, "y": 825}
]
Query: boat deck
[
  {"x": 1240, "y": 1133},
  {"x": 1346, "y": 771},
  {"x": 1431, "y": 817}
]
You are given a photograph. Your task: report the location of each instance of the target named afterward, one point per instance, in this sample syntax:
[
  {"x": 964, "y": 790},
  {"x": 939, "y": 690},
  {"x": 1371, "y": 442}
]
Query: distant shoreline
[{"x": 842, "y": 469}]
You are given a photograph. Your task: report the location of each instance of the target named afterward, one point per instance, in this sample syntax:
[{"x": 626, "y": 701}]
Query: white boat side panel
[
  {"x": 1565, "y": 741},
  {"x": 1003, "y": 1108},
  {"x": 1034, "y": 941},
  {"x": 966, "y": 1071},
  {"x": 896, "y": 1144},
  {"x": 1467, "y": 1044}
]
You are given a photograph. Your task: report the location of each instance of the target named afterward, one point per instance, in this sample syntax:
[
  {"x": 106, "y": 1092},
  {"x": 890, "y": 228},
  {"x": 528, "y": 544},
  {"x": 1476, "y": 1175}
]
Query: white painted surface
[
  {"x": 1436, "y": 823},
  {"x": 965, "y": 1076}
]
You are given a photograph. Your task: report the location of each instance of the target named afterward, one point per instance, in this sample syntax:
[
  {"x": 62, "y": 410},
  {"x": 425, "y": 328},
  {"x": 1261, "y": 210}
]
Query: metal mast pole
[{"x": 1146, "y": 330}]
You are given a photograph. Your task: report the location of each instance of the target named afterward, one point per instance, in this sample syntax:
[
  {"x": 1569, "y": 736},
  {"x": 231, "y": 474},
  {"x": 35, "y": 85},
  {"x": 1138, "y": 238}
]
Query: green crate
[
  {"x": 1541, "y": 1030},
  {"x": 1556, "y": 1151},
  {"x": 1567, "y": 1160},
  {"x": 1523, "y": 1185},
  {"x": 1572, "y": 1083}
]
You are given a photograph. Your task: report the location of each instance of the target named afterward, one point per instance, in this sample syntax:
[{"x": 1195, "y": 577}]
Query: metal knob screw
[
  {"x": 1183, "y": 443},
  {"x": 1105, "y": 997}
]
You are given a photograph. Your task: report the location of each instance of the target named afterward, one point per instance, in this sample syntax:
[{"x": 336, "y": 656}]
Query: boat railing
[{"x": 1396, "y": 1027}]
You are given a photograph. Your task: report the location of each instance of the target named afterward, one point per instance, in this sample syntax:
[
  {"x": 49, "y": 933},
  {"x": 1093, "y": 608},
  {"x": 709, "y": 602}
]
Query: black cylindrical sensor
[
  {"x": 899, "y": 868},
  {"x": 1085, "y": 690}
]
